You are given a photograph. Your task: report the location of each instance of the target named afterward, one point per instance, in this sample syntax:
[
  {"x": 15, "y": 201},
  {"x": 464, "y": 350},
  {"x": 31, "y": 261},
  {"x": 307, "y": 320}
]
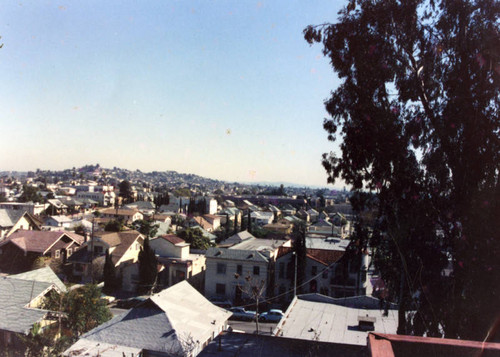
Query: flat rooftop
[
  {"x": 259, "y": 244},
  {"x": 327, "y": 320},
  {"x": 329, "y": 243}
]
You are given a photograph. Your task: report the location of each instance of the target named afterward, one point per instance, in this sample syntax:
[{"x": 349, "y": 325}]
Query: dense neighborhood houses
[{"x": 178, "y": 261}]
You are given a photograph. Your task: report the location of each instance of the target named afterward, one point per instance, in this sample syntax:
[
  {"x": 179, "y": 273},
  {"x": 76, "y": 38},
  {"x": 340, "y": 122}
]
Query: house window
[
  {"x": 324, "y": 275},
  {"x": 314, "y": 270},
  {"x": 239, "y": 269},
  {"x": 57, "y": 254},
  {"x": 220, "y": 289},
  {"x": 281, "y": 270},
  {"x": 97, "y": 249},
  {"x": 221, "y": 268},
  {"x": 256, "y": 270},
  {"x": 70, "y": 251}
]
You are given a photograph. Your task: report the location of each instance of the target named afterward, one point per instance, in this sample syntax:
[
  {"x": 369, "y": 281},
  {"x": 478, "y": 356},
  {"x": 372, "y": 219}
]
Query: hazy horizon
[{"x": 227, "y": 90}]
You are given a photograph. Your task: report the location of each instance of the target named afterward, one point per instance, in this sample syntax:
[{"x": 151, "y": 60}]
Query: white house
[
  {"x": 230, "y": 270},
  {"x": 179, "y": 264}
]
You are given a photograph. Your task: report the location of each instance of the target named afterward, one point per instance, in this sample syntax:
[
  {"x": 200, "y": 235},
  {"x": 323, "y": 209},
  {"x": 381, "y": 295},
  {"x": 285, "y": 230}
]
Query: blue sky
[{"x": 223, "y": 89}]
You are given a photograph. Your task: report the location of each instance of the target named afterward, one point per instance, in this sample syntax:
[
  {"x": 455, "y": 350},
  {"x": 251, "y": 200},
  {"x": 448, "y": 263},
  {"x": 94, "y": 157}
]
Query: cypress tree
[
  {"x": 235, "y": 223},
  {"x": 109, "y": 274},
  {"x": 249, "y": 222},
  {"x": 147, "y": 268}
]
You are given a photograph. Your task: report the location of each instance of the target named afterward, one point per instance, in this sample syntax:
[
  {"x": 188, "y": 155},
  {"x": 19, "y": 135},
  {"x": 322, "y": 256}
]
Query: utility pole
[
  {"x": 92, "y": 253},
  {"x": 295, "y": 277}
]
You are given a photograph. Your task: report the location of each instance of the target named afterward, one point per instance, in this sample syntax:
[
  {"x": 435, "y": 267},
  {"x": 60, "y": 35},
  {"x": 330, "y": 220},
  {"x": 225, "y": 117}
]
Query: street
[{"x": 265, "y": 328}]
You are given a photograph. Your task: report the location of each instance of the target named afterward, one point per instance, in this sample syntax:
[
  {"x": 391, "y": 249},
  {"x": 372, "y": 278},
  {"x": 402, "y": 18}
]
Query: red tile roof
[
  {"x": 173, "y": 239},
  {"x": 326, "y": 257},
  {"x": 387, "y": 345}
]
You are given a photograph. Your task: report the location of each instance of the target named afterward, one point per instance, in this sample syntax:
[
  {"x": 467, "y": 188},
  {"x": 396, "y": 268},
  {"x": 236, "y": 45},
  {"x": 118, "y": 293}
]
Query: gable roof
[
  {"x": 121, "y": 241},
  {"x": 39, "y": 241},
  {"x": 164, "y": 321},
  {"x": 236, "y": 254},
  {"x": 172, "y": 238},
  {"x": 9, "y": 217},
  {"x": 203, "y": 222},
  {"x": 327, "y": 257},
  {"x": 61, "y": 219},
  {"x": 119, "y": 212},
  {"x": 45, "y": 274},
  {"x": 322, "y": 223},
  {"x": 15, "y": 297},
  {"x": 238, "y": 237}
]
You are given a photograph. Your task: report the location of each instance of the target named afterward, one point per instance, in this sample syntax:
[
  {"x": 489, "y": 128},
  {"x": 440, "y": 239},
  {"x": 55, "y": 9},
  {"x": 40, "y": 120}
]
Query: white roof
[
  {"x": 189, "y": 312},
  {"x": 328, "y": 321},
  {"x": 329, "y": 243},
  {"x": 259, "y": 244},
  {"x": 84, "y": 347}
]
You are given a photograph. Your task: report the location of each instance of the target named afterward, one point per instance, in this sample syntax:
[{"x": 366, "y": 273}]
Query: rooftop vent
[{"x": 366, "y": 323}]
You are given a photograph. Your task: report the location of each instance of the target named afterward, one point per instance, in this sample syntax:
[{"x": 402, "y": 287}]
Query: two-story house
[
  {"x": 178, "y": 263},
  {"x": 322, "y": 266},
  {"x": 231, "y": 270},
  {"x": 128, "y": 216},
  {"x": 124, "y": 249}
]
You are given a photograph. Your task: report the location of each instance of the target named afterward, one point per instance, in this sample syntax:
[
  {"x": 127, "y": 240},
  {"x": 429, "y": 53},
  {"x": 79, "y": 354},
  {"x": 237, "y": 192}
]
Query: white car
[{"x": 273, "y": 315}]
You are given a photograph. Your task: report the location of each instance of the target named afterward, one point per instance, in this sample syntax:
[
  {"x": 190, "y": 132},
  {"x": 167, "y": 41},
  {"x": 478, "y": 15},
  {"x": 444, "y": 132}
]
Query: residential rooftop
[{"x": 321, "y": 318}]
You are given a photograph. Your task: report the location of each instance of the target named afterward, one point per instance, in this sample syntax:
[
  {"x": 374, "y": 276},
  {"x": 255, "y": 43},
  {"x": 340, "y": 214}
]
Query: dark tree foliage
[
  {"x": 418, "y": 112},
  {"x": 161, "y": 199},
  {"x": 148, "y": 268},
  {"x": 115, "y": 225},
  {"x": 84, "y": 308},
  {"x": 147, "y": 228},
  {"x": 236, "y": 224},
  {"x": 109, "y": 274},
  {"x": 126, "y": 191},
  {"x": 195, "y": 237},
  {"x": 30, "y": 194},
  {"x": 299, "y": 248}
]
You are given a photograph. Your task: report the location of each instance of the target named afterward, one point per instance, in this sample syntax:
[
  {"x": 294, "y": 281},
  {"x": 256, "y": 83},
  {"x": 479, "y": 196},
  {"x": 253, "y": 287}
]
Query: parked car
[
  {"x": 221, "y": 303},
  {"x": 131, "y": 302},
  {"x": 240, "y": 313},
  {"x": 273, "y": 315}
]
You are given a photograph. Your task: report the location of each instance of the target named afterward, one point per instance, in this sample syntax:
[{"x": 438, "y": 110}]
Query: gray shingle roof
[
  {"x": 9, "y": 217},
  {"x": 15, "y": 297},
  {"x": 236, "y": 254},
  {"x": 45, "y": 274},
  {"x": 164, "y": 321}
]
